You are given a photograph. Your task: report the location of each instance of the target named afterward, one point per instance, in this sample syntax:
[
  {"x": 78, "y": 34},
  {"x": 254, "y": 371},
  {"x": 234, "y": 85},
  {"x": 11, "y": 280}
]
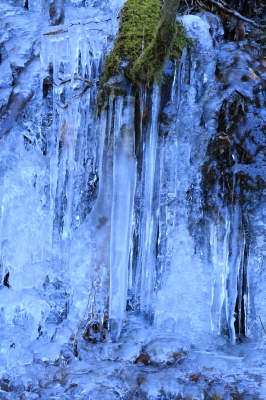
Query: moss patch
[
  {"x": 148, "y": 67},
  {"x": 139, "y": 20},
  {"x": 179, "y": 42}
]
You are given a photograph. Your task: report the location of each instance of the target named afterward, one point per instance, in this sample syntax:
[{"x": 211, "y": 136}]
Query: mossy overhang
[{"x": 147, "y": 37}]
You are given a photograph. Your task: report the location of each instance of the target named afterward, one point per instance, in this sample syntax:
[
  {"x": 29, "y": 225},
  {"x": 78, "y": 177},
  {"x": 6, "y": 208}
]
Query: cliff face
[{"x": 128, "y": 210}]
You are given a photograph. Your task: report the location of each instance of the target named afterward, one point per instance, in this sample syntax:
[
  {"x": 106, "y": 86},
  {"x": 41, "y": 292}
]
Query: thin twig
[
  {"x": 98, "y": 30},
  {"x": 203, "y": 5},
  {"x": 262, "y": 325},
  {"x": 83, "y": 318},
  {"x": 188, "y": 8}
]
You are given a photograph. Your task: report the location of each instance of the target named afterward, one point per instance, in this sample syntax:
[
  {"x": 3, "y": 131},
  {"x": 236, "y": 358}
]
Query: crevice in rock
[{"x": 6, "y": 280}]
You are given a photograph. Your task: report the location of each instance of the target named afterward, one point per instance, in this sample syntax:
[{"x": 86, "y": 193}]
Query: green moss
[
  {"x": 139, "y": 19},
  {"x": 180, "y": 41},
  {"x": 146, "y": 40}
]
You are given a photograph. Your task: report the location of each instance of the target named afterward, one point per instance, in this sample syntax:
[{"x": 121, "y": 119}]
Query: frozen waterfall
[{"x": 132, "y": 219}]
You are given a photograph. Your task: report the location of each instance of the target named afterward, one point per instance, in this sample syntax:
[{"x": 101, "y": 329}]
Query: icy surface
[{"x": 132, "y": 222}]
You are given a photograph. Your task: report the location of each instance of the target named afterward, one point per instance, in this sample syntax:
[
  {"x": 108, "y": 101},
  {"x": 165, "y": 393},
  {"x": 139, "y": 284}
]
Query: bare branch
[
  {"x": 189, "y": 9},
  {"x": 84, "y": 90},
  {"x": 237, "y": 15}
]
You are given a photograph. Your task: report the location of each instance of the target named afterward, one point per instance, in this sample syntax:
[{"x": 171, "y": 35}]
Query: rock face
[{"x": 128, "y": 212}]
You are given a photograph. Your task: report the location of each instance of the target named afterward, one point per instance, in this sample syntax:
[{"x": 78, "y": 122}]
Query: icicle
[
  {"x": 70, "y": 49},
  {"x": 219, "y": 241},
  {"x": 124, "y": 176},
  {"x": 149, "y": 214}
]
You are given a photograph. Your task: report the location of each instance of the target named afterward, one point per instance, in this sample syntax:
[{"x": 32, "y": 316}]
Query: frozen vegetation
[{"x": 132, "y": 219}]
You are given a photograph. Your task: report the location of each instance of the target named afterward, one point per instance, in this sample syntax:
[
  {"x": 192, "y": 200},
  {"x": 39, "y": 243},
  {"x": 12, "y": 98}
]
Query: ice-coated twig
[
  {"x": 77, "y": 78},
  {"x": 84, "y": 90},
  {"x": 63, "y": 106},
  {"x": 59, "y": 31},
  {"x": 262, "y": 325},
  {"x": 90, "y": 22}
]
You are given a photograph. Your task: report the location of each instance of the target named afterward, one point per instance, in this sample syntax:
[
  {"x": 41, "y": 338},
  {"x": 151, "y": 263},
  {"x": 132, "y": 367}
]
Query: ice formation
[{"x": 135, "y": 219}]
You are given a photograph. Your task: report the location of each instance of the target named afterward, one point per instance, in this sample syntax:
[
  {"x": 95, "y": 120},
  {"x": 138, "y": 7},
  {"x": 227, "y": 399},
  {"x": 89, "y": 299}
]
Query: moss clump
[
  {"x": 148, "y": 36},
  {"x": 139, "y": 20},
  {"x": 169, "y": 38}
]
